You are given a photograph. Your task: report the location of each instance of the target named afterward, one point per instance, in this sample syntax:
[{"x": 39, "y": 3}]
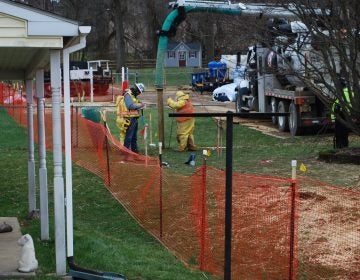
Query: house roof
[
  {"x": 194, "y": 46},
  {"x": 26, "y": 36}
]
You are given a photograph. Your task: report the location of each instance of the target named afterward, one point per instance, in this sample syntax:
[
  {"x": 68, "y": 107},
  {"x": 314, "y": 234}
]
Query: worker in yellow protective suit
[
  {"x": 185, "y": 125},
  {"x": 121, "y": 122}
]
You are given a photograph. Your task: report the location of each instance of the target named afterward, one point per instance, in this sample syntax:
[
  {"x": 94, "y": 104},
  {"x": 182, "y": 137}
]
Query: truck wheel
[
  {"x": 294, "y": 119},
  {"x": 283, "y": 107},
  {"x": 274, "y": 105}
]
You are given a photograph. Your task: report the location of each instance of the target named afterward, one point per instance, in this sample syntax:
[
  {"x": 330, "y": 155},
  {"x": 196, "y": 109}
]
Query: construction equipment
[
  {"x": 277, "y": 83},
  {"x": 276, "y": 73}
]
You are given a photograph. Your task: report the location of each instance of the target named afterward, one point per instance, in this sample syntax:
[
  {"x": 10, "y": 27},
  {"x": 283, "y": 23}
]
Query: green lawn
[
  {"x": 105, "y": 236},
  {"x": 172, "y": 76},
  {"x": 253, "y": 151}
]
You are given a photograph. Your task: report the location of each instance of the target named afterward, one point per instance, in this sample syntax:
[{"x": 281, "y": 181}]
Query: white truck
[{"x": 276, "y": 83}]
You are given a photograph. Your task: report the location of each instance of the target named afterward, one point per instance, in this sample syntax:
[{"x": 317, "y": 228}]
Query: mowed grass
[
  {"x": 253, "y": 151},
  {"x": 106, "y": 238}
]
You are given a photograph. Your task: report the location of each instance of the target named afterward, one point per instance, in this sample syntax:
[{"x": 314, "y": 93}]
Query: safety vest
[
  {"x": 336, "y": 104},
  {"x": 187, "y": 108},
  {"x": 123, "y": 111}
]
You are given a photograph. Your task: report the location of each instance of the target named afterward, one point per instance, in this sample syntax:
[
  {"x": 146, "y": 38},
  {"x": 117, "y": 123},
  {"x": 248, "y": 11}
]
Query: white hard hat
[{"x": 140, "y": 87}]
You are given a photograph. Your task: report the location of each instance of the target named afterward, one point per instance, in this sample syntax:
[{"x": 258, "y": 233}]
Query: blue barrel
[{"x": 213, "y": 65}]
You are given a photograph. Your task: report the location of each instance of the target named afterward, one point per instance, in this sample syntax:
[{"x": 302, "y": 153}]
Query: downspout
[{"x": 84, "y": 31}]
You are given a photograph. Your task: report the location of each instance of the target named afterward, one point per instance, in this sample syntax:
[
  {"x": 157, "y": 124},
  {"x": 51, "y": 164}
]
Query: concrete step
[{"x": 10, "y": 251}]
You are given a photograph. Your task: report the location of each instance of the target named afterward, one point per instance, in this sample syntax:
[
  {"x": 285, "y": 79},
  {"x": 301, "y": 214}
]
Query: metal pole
[
  {"x": 107, "y": 156},
  {"x": 203, "y": 216},
  {"x": 160, "y": 105},
  {"x": 292, "y": 221},
  {"x": 160, "y": 192},
  {"x": 228, "y": 196},
  {"x": 91, "y": 85}
]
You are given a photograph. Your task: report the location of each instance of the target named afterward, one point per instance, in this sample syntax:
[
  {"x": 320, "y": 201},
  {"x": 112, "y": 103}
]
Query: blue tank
[
  {"x": 217, "y": 69},
  {"x": 212, "y": 65}
]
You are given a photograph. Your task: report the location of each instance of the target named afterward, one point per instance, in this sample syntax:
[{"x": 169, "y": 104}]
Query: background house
[{"x": 182, "y": 54}]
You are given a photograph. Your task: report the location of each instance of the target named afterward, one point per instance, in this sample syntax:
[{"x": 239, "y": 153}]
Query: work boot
[
  {"x": 192, "y": 148},
  {"x": 191, "y": 144}
]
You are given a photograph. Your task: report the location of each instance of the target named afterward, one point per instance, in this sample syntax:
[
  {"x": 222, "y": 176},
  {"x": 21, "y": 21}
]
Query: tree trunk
[{"x": 120, "y": 8}]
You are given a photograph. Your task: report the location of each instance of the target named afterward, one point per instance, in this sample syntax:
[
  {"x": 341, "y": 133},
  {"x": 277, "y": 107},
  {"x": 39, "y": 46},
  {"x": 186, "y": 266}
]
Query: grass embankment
[{"x": 105, "y": 236}]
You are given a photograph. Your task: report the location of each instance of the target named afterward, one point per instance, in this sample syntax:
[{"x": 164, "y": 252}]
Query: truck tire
[
  {"x": 283, "y": 123},
  {"x": 294, "y": 119},
  {"x": 274, "y": 105}
]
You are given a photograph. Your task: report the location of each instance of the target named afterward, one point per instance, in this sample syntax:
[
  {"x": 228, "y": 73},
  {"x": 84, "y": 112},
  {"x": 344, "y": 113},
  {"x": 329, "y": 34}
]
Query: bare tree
[
  {"x": 120, "y": 8},
  {"x": 331, "y": 56}
]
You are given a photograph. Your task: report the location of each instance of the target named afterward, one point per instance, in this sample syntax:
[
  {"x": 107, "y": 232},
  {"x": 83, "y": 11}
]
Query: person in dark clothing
[
  {"x": 341, "y": 137},
  {"x": 129, "y": 109}
]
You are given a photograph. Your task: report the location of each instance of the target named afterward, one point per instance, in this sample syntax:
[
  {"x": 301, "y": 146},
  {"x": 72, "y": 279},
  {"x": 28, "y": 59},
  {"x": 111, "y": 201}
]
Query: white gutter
[{"x": 84, "y": 31}]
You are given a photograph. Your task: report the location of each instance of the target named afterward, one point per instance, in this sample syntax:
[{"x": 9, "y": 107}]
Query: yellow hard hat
[{"x": 181, "y": 95}]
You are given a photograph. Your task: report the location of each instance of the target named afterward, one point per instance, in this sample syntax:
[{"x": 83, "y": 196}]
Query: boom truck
[{"x": 277, "y": 78}]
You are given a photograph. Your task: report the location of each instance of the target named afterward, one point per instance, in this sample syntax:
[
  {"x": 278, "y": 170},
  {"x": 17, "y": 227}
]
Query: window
[
  {"x": 192, "y": 54},
  {"x": 171, "y": 54}
]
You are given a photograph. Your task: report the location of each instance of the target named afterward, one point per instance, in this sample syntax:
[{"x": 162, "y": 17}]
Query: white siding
[{"x": 12, "y": 27}]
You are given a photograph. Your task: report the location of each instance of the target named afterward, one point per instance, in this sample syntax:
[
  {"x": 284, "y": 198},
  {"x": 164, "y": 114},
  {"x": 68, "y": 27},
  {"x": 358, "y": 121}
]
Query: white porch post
[
  {"x": 59, "y": 202},
  {"x": 44, "y": 208},
  {"x": 31, "y": 160}
]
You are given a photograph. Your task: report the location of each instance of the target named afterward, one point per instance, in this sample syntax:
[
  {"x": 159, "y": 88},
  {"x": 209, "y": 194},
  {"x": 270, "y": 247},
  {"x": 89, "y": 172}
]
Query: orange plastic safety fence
[{"x": 281, "y": 229}]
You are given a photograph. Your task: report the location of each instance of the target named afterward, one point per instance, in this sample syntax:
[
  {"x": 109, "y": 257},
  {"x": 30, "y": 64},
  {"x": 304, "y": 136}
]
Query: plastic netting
[{"x": 282, "y": 229}]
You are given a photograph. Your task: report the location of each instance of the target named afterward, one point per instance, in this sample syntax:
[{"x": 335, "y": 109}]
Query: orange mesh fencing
[{"x": 282, "y": 229}]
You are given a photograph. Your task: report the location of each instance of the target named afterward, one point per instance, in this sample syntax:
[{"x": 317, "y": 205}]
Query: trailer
[{"x": 208, "y": 79}]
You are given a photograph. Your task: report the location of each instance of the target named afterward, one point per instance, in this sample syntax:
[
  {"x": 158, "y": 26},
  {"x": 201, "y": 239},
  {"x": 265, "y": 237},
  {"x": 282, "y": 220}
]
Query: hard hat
[
  {"x": 140, "y": 87},
  {"x": 181, "y": 94}
]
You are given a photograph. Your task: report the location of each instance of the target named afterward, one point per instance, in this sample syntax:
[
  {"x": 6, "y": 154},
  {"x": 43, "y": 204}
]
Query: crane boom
[{"x": 249, "y": 9}]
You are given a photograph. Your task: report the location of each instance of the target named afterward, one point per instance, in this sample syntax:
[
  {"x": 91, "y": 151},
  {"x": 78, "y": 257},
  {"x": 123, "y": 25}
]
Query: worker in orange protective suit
[{"x": 185, "y": 125}]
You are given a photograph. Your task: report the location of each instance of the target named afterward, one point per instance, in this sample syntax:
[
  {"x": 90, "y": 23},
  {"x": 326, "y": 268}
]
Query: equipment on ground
[
  {"x": 214, "y": 76},
  {"x": 91, "y": 78}
]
